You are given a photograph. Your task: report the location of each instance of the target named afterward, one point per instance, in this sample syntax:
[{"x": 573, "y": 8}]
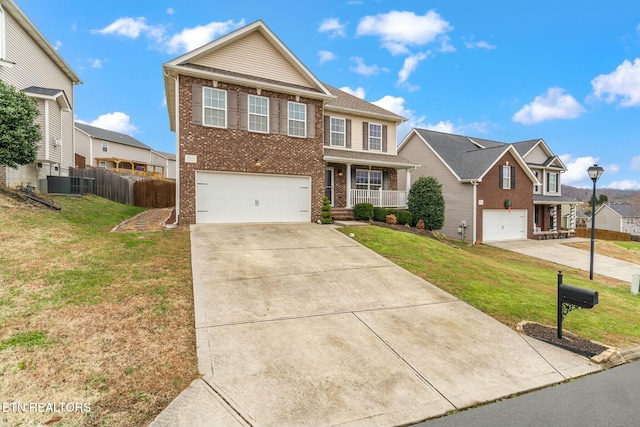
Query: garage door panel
[
  {"x": 233, "y": 198},
  {"x": 500, "y": 224}
]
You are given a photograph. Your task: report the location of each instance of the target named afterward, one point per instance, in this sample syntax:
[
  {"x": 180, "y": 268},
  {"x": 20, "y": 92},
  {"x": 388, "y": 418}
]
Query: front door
[{"x": 328, "y": 184}]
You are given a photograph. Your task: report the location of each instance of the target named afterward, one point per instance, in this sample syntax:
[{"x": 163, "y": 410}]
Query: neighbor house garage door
[
  {"x": 237, "y": 198},
  {"x": 500, "y": 224}
]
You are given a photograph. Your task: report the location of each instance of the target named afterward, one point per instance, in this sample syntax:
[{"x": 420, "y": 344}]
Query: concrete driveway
[{"x": 299, "y": 325}]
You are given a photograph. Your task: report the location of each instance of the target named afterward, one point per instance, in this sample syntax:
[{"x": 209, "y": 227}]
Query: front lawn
[
  {"x": 508, "y": 286},
  {"x": 92, "y": 317}
]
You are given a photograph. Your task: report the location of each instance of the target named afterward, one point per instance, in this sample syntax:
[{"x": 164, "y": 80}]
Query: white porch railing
[{"x": 381, "y": 198}]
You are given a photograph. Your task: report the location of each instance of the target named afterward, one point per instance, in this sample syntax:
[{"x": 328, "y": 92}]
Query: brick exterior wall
[
  {"x": 340, "y": 182},
  {"x": 235, "y": 150},
  {"x": 494, "y": 197}
]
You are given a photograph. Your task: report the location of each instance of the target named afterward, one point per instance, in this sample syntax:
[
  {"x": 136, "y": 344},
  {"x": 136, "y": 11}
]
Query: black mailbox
[{"x": 581, "y": 297}]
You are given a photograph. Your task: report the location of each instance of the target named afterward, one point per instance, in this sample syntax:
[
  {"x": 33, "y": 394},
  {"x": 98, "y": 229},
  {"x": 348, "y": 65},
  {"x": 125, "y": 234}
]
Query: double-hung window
[
  {"x": 506, "y": 177},
  {"x": 214, "y": 102},
  {"x": 297, "y": 119},
  {"x": 337, "y": 132},
  {"x": 105, "y": 146},
  {"x": 536, "y": 188},
  {"x": 375, "y": 137},
  {"x": 258, "y": 114},
  {"x": 552, "y": 182},
  {"x": 368, "y": 179}
]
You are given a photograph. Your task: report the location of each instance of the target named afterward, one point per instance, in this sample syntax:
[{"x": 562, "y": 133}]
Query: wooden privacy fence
[
  {"x": 603, "y": 234},
  {"x": 129, "y": 189},
  {"x": 153, "y": 193}
]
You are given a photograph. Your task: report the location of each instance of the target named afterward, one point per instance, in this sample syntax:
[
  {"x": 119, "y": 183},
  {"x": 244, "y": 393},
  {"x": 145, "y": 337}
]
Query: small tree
[
  {"x": 19, "y": 133},
  {"x": 426, "y": 203},
  {"x": 325, "y": 215}
]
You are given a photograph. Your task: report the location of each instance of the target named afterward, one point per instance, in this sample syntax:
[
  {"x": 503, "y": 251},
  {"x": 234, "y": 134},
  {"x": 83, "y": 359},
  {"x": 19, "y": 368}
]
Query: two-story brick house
[
  {"x": 492, "y": 190},
  {"x": 30, "y": 64},
  {"x": 260, "y": 139}
]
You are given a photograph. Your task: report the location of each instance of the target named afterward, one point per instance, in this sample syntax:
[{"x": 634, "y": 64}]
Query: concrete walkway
[
  {"x": 558, "y": 252},
  {"x": 299, "y": 325}
]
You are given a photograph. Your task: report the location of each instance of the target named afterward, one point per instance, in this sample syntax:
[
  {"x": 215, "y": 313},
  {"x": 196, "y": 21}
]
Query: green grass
[
  {"x": 27, "y": 340},
  {"x": 632, "y": 245},
  {"x": 507, "y": 286}
]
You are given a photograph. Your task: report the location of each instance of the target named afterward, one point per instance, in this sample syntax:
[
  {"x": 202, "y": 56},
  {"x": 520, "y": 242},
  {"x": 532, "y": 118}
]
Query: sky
[{"x": 565, "y": 71}]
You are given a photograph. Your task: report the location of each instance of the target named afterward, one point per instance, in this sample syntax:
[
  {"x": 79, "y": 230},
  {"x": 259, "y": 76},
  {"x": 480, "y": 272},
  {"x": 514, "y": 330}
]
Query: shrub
[
  {"x": 420, "y": 224},
  {"x": 391, "y": 219},
  {"x": 379, "y": 214},
  {"x": 363, "y": 211},
  {"x": 393, "y": 212},
  {"x": 405, "y": 217},
  {"x": 426, "y": 203},
  {"x": 326, "y": 216}
]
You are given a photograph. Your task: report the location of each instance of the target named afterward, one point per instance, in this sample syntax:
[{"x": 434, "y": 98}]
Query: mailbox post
[{"x": 572, "y": 298}]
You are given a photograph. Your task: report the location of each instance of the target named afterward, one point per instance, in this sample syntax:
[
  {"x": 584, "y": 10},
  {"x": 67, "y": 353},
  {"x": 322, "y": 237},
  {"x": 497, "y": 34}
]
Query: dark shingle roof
[
  {"x": 109, "y": 135},
  {"x": 347, "y": 101},
  {"x": 626, "y": 211},
  {"x": 42, "y": 91},
  {"x": 366, "y": 157}
]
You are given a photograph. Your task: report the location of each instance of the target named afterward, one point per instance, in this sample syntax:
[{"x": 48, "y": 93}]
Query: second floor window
[
  {"x": 337, "y": 132},
  {"x": 375, "y": 137},
  {"x": 258, "y": 114},
  {"x": 297, "y": 119},
  {"x": 536, "y": 188},
  {"x": 552, "y": 182},
  {"x": 105, "y": 146},
  {"x": 507, "y": 179},
  {"x": 214, "y": 102}
]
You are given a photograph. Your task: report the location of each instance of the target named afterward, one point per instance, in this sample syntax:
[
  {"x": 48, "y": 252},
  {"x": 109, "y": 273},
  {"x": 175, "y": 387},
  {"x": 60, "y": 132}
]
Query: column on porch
[
  {"x": 572, "y": 218},
  {"x": 553, "y": 210},
  {"x": 348, "y": 204}
]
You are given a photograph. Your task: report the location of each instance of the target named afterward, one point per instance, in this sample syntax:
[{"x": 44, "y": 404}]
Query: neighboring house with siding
[
  {"x": 261, "y": 139},
  {"x": 623, "y": 218},
  {"x": 30, "y": 64},
  {"x": 117, "y": 151},
  {"x": 492, "y": 190}
]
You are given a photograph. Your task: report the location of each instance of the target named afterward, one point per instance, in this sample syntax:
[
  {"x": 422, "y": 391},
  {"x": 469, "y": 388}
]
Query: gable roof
[
  {"x": 186, "y": 65},
  {"x": 57, "y": 95},
  {"x": 346, "y": 103},
  {"x": 526, "y": 147},
  {"x": 468, "y": 158},
  {"x": 109, "y": 135},
  {"x": 624, "y": 210},
  {"x": 22, "y": 20}
]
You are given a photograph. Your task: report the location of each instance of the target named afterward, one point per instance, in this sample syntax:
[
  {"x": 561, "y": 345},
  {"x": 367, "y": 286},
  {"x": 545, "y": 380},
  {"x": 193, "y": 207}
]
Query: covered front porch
[
  {"x": 554, "y": 217},
  {"x": 357, "y": 177}
]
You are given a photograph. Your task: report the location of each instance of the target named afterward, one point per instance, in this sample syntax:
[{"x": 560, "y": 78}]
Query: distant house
[
  {"x": 30, "y": 64},
  {"x": 623, "y": 218},
  {"x": 107, "y": 149},
  {"x": 492, "y": 190}
]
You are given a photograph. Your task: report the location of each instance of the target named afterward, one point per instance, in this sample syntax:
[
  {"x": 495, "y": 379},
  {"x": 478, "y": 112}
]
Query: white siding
[
  {"x": 356, "y": 131},
  {"x": 255, "y": 56},
  {"x": 537, "y": 155}
]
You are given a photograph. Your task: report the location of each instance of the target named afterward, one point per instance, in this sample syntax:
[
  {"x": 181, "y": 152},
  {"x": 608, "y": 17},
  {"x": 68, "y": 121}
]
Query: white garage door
[
  {"x": 500, "y": 224},
  {"x": 237, "y": 198}
]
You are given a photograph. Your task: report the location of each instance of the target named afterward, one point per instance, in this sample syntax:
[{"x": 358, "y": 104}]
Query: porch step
[{"x": 342, "y": 214}]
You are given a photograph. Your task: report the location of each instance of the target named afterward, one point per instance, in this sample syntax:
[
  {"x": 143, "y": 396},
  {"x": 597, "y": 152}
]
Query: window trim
[
  {"x": 250, "y": 114},
  {"x": 368, "y": 183},
  {"x": 204, "y": 107},
  {"x": 343, "y": 133},
  {"x": 506, "y": 177},
  {"x": 536, "y": 188},
  {"x": 555, "y": 182},
  {"x": 102, "y": 164},
  {"x": 369, "y": 137},
  {"x": 290, "y": 120},
  {"x": 105, "y": 146}
]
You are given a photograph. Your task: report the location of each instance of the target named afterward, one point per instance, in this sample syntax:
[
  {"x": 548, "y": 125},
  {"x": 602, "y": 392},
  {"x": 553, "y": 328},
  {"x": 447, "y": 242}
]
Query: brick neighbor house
[{"x": 260, "y": 139}]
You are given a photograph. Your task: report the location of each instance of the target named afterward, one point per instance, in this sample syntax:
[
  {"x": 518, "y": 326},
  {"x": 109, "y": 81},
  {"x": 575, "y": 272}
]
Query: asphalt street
[{"x": 608, "y": 398}]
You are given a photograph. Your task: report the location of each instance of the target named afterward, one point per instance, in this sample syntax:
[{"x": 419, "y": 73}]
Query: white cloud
[
  {"x": 333, "y": 27},
  {"x": 445, "y": 45},
  {"x": 116, "y": 121},
  {"x": 359, "y": 91},
  {"x": 635, "y": 163},
  {"x": 396, "y": 105},
  {"x": 127, "y": 27},
  {"x": 625, "y": 184},
  {"x": 576, "y": 174},
  {"x": 192, "y": 38},
  {"x": 326, "y": 56},
  {"x": 57, "y": 45},
  {"x": 479, "y": 45},
  {"x": 171, "y": 11},
  {"x": 446, "y": 127},
  {"x": 622, "y": 83},
  {"x": 553, "y": 104},
  {"x": 410, "y": 65},
  {"x": 398, "y": 31},
  {"x": 365, "y": 70},
  {"x": 95, "y": 63}
]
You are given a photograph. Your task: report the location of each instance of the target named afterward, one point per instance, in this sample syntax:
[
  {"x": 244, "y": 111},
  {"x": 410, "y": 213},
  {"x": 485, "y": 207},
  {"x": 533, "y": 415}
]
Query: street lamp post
[{"x": 595, "y": 172}]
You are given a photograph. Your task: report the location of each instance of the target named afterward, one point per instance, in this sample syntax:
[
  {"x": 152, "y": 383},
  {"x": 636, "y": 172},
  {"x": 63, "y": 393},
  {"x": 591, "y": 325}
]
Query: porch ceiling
[
  {"x": 539, "y": 199},
  {"x": 362, "y": 158}
]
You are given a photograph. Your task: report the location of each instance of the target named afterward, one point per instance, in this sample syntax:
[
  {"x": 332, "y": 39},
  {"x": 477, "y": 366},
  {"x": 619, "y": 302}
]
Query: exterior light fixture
[{"x": 595, "y": 172}]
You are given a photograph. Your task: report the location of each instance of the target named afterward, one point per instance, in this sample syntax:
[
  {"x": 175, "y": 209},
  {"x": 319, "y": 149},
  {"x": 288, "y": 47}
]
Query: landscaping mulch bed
[{"x": 569, "y": 341}]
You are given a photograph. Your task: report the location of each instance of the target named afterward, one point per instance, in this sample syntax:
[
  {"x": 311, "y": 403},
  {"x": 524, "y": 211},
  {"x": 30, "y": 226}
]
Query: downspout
[
  {"x": 474, "y": 232},
  {"x": 177, "y": 118}
]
